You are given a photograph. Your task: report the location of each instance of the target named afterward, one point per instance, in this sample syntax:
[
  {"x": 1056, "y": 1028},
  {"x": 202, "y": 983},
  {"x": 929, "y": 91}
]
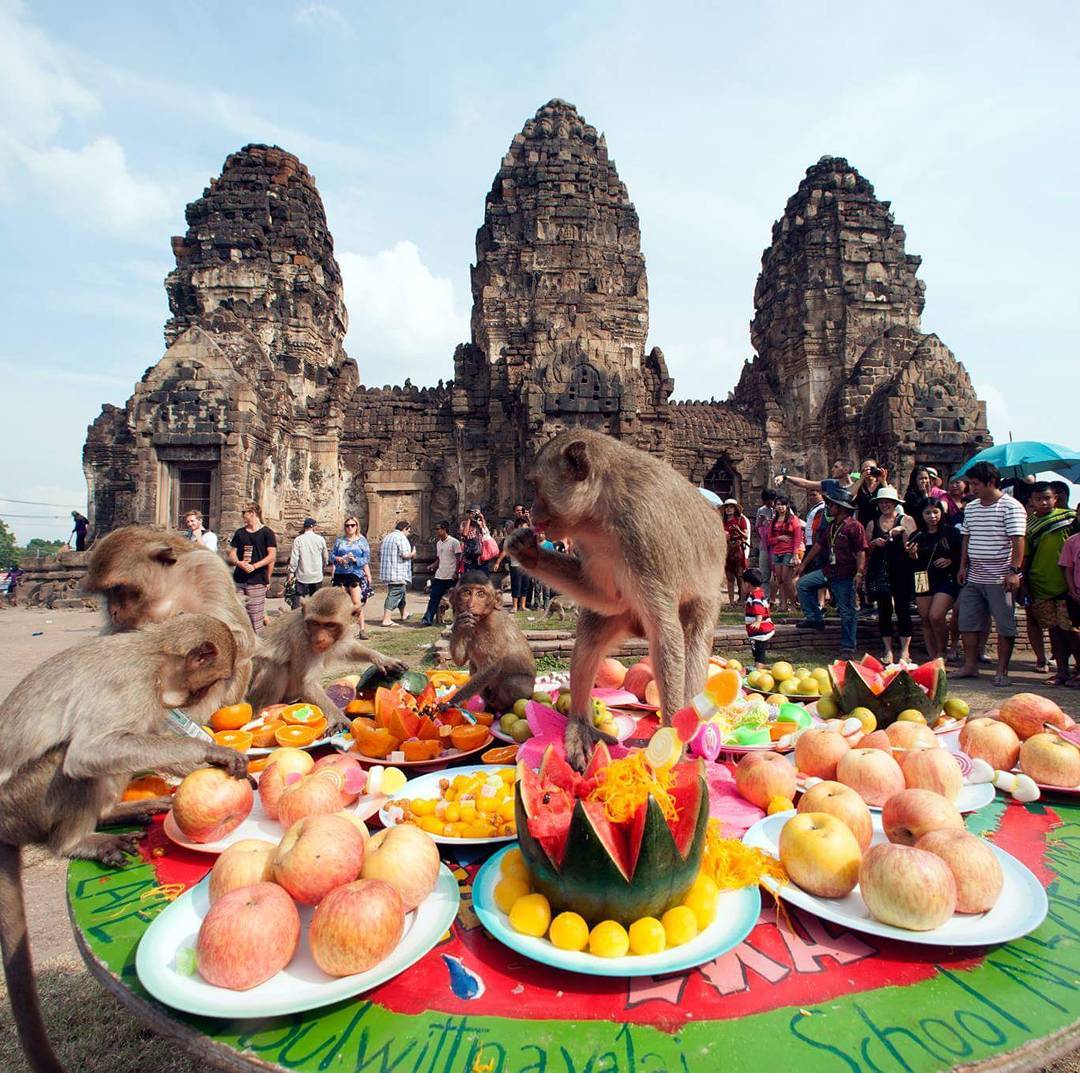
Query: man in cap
[
  {"x": 837, "y": 561},
  {"x": 307, "y": 561}
]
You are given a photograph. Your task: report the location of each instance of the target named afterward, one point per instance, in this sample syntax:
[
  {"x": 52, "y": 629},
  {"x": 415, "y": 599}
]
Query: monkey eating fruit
[
  {"x": 76, "y": 730},
  {"x": 650, "y": 563}
]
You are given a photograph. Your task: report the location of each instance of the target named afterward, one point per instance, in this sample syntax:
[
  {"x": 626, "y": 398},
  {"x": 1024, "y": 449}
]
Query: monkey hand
[
  {"x": 233, "y": 762},
  {"x": 580, "y": 739},
  {"x": 113, "y": 850},
  {"x": 465, "y": 621},
  {"x": 390, "y": 665},
  {"x": 522, "y": 546}
]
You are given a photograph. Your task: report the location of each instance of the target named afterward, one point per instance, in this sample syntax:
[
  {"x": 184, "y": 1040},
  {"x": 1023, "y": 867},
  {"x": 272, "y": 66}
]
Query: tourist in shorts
[
  {"x": 252, "y": 551},
  {"x": 737, "y": 531},
  {"x": 445, "y": 570},
  {"x": 935, "y": 549},
  {"x": 990, "y": 569},
  {"x": 1048, "y": 529},
  {"x": 786, "y": 546},
  {"x": 762, "y": 522},
  {"x": 351, "y": 556},
  {"x": 307, "y": 562},
  {"x": 395, "y": 568}
]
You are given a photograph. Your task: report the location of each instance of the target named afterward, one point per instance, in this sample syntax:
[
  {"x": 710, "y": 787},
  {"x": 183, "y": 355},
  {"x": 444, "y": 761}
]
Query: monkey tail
[{"x": 18, "y": 968}]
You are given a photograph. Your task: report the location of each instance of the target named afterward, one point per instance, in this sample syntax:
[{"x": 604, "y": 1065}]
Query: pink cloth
[
  {"x": 735, "y": 813},
  {"x": 1070, "y": 559}
]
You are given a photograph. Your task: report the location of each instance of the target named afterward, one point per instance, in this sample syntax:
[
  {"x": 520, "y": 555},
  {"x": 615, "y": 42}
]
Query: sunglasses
[{"x": 350, "y": 525}]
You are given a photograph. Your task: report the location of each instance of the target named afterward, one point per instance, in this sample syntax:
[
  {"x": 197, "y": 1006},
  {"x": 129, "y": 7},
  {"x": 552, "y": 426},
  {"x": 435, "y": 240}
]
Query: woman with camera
[{"x": 479, "y": 548}]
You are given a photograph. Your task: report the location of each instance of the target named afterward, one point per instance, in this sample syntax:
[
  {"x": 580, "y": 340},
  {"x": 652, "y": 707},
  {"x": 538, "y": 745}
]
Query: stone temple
[{"x": 255, "y": 397}]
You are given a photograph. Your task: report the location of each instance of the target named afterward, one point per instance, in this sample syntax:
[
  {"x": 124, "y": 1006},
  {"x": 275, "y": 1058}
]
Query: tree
[
  {"x": 38, "y": 548},
  {"x": 9, "y": 555}
]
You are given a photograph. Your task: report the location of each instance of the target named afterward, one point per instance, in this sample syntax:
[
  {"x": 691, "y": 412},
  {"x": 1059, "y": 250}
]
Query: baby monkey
[
  {"x": 75, "y": 731},
  {"x": 490, "y": 642},
  {"x": 297, "y": 649}
]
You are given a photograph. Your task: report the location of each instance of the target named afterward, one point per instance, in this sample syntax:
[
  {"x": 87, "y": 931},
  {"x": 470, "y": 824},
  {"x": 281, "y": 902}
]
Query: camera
[{"x": 874, "y": 471}]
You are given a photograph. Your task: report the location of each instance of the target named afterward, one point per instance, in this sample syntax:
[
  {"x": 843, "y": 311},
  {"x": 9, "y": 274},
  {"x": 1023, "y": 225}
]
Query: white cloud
[
  {"x": 404, "y": 321},
  {"x": 321, "y": 16},
  {"x": 998, "y": 415}
]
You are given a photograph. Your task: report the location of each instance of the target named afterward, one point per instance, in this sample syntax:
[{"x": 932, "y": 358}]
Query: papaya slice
[
  {"x": 240, "y": 740},
  {"x": 146, "y": 787},
  {"x": 426, "y": 697},
  {"x": 385, "y": 703},
  {"x": 360, "y": 706},
  {"x": 415, "y": 749},
  {"x": 403, "y": 723},
  {"x": 502, "y": 754},
  {"x": 453, "y": 717},
  {"x": 469, "y": 737},
  {"x": 427, "y": 730},
  {"x": 359, "y": 724},
  {"x": 295, "y": 735},
  {"x": 264, "y": 737},
  {"x": 379, "y": 743}
]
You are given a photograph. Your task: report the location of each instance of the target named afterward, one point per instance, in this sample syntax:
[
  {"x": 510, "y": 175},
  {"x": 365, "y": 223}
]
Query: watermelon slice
[{"x": 871, "y": 663}]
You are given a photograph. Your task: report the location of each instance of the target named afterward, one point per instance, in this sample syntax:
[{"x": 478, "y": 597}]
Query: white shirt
[
  {"x": 308, "y": 557},
  {"x": 205, "y": 538},
  {"x": 809, "y": 524},
  {"x": 447, "y": 552}
]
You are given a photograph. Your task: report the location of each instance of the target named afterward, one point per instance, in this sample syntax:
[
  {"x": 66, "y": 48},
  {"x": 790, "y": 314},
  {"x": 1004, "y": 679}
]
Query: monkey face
[
  {"x": 565, "y": 492},
  {"x": 197, "y": 653},
  {"x": 477, "y": 600},
  {"x": 127, "y": 606},
  {"x": 322, "y": 635}
]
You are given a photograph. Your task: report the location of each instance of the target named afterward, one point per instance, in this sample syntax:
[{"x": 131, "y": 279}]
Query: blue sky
[{"x": 115, "y": 115}]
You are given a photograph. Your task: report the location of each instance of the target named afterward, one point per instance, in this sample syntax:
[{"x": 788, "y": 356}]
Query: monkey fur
[
  {"x": 296, "y": 649},
  {"x": 501, "y": 665},
  {"x": 148, "y": 576},
  {"x": 75, "y": 731},
  {"x": 650, "y": 563}
]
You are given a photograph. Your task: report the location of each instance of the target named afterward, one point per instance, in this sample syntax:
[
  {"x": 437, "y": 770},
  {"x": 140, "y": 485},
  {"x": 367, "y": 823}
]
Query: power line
[
  {"x": 36, "y": 502},
  {"x": 2, "y": 515}
]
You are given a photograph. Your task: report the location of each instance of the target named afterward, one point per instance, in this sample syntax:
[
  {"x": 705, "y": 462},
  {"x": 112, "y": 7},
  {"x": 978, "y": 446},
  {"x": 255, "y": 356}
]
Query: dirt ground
[{"x": 92, "y": 1033}]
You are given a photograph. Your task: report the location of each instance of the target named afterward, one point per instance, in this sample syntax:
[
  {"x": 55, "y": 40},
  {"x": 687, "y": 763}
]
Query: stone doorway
[{"x": 721, "y": 480}]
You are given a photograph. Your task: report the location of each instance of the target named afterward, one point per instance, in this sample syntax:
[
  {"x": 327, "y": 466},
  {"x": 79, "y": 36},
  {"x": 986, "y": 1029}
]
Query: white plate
[
  {"x": 428, "y": 786},
  {"x": 301, "y": 985},
  {"x": 737, "y": 913},
  {"x": 343, "y": 742},
  {"x": 1020, "y": 909}
]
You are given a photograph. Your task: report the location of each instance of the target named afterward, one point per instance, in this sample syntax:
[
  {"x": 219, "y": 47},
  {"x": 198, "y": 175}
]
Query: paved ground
[{"x": 91, "y": 1031}]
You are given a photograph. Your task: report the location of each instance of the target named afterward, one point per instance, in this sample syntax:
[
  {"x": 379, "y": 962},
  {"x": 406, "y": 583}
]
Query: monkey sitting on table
[
  {"x": 148, "y": 576},
  {"x": 297, "y": 649},
  {"x": 647, "y": 565},
  {"x": 75, "y": 731},
  {"x": 501, "y": 665}
]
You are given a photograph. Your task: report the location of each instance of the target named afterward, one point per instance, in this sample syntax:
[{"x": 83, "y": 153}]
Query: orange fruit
[
  {"x": 360, "y": 706},
  {"x": 415, "y": 749},
  {"x": 231, "y": 717},
  {"x": 502, "y": 754},
  {"x": 360, "y": 724},
  {"x": 264, "y": 737},
  {"x": 240, "y": 740},
  {"x": 296, "y": 736},
  {"x": 723, "y": 687},
  {"x": 147, "y": 786},
  {"x": 469, "y": 737},
  {"x": 378, "y": 743},
  {"x": 258, "y": 764},
  {"x": 485, "y": 719},
  {"x": 303, "y": 714}
]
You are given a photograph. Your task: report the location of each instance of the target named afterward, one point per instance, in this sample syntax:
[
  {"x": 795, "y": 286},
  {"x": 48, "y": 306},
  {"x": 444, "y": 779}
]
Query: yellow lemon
[
  {"x": 508, "y": 890},
  {"x": 705, "y": 883},
  {"x": 680, "y": 925},
  {"x": 609, "y": 940},
  {"x": 647, "y": 936},
  {"x": 531, "y": 915},
  {"x": 703, "y": 905},
  {"x": 779, "y": 804},
  {"x": 569, "y": 932}
]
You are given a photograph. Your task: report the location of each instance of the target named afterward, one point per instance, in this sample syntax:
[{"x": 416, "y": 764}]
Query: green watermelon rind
[{"x": 902, "y": 693}]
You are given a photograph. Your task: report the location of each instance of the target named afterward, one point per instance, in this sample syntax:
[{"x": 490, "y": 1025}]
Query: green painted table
[{"x": 795, "y": 994}]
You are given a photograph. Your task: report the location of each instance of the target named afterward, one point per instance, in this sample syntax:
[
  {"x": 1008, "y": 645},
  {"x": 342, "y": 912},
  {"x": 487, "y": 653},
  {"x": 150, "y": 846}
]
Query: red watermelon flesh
[
  {"x": 688, "y": 803},
  {"x": 837, "y": 672},
  {"x": 927, "y": 675},
  {"x": 871, "y": 663},
  {"x": 549, "y": 810},
  {"x": 554, "y": 770}
]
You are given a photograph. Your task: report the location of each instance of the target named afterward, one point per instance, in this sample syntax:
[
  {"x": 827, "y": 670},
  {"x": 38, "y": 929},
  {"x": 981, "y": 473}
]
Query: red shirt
[
  {"x": 786, "y": 537},
  {"x": 839, "y": 544},
  {"x": 758, "y": 607}
]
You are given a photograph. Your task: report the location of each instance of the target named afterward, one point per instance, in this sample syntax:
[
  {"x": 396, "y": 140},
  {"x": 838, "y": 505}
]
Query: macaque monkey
[
  {"x": 650, "y": 563},
  {"x": 76, "y": 730},
  {"x": 148, "y": 576},
  {"x": 490, "y": 642},
  {"x": 296, "y": 649}
]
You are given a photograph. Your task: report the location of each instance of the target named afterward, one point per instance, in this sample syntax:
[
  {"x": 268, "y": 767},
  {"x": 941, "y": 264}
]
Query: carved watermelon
[
  {"x": 887, "y": 693},
  {"x": 583, "y": 862}
]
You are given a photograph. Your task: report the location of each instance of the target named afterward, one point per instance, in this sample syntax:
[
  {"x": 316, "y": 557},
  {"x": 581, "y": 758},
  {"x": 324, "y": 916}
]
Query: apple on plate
[
  {"x": 845, "y": 804},
  {"x": 321, "y": 792},
  {"x": 933, "y": 769},
  {"x": 818, "y": 751},
  {"x": 873, "y": 774},
  {"x": 759, "y": 777},
  {"x": 243, "y": 864},
  {"x": 974, "y": 865},
  {"x": 356, "y": 926},
  {"x": 991, "y": 740},
  {"x": 876, "y": 739},
  {"x": 820, "y": 854},
  {"x": 210, "y": 803},
  {"x": 282, "y": 767},
  {"x": 910, "y": 814},
  {"x": 1027, "y": 712},
  {"x": 317, "y": 854},
  {"x": 910, "y": 735},
  {"x": 249, "y": 935},
  {"x": 907, "y": 887},
  {"x": 406, "y": 857},
  {"x": 1050, "y": 760}
]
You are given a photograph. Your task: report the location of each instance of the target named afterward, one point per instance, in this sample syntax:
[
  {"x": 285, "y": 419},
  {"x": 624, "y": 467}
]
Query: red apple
[
  {"x": 319, "y": 793},
  {"x": 1050, "y": 760},
  {"x": 906, "y": 735},
  {"x": 818, "y": 751},
  {"x": 356, "y": 926},
  {"x": 209, "y": 804},
  {"x": 281, "y": 764},
  {"x": 317, "y": 854},
  {"x": 878, "y": 739},
  {"x": 873, "y": 774},
  {"x": 820, "y": 854},
  {"x": 760, "y": 777},
  {"x": 910, "y": 814},
  {"x": 243, "y": 864},
  {"x": 932, "y": 769},
  {"x": 1027, "y": 712},
  {"x": 845, "y": 804},
  {"x": 974, "y": 866},
  {"x": 907, "y": 887},
  {"x": 249, "y": 935},
  {"x": 991, "y": 740},
  {"x": 406, "y": 857}
]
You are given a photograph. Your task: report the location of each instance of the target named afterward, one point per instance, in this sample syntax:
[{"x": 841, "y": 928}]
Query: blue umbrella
[
  {"x": 1026, "y": 457},
  {"x": 712, "y": 497}
]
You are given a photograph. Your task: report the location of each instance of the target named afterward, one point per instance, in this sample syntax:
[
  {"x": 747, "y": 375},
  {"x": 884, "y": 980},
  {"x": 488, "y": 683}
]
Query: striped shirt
[
  {"x": 989, "y": 530},
  {"x": 393, "y": 566}
]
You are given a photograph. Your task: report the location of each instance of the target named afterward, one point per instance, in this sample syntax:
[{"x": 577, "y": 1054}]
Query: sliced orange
[
  {"x": 146, "y": 787},
  {"x": 264, "y": 737},
  {"x": 295, "y": 735},
  {"x": 231, "y": 717},
  {"x": 723, "y": 687},
  {"x": 240, "y": 740},
  {"x": 258, "y": 764},
  {"x": 502, "y": 754},
  {"x": 485, "y": 719},
  {"x": 415, "y": 749},
  {"x": 303, "y": 714},
  {"x": 469, "y": 737},
  {"x": 360, "y": 706}
]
